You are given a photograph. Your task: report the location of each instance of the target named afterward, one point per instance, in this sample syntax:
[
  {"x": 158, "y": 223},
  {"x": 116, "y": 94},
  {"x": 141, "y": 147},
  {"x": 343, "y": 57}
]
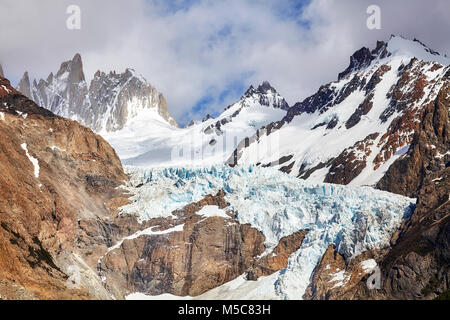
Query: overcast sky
[{"x": 203, "y": 55}]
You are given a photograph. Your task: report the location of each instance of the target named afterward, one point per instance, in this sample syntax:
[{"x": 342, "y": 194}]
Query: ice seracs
[{"x": 354, "y": 219}]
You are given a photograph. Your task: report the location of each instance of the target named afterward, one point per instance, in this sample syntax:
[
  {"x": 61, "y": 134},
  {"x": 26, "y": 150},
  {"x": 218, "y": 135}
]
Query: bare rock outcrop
[
  {"x": 55, "y": 173},
  {"x": 428, "y": 152},
  {"x": 185, "y": 255},
  {"x": 278, "y": 258},
  {"x": 189, "y": 254}
]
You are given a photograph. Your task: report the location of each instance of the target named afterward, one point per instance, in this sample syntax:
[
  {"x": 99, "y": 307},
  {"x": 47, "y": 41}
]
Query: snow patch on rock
[{"x": 33, "y": 160}]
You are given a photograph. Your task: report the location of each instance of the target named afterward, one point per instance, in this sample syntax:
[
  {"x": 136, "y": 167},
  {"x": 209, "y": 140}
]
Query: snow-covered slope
[
  {"x": 355, "y": 219},
  {"x": 106, "y": 105},
  {"x": 147, "y": 140},
  {"x": 353, "y": 129},
  {"x": 132, "y": 116}
]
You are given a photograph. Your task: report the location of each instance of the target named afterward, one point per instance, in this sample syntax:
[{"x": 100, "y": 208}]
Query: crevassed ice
[{"x": 355, "y": 219}]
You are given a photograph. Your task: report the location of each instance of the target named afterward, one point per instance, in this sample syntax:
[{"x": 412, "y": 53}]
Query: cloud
[{"x": 203, "y": 54}]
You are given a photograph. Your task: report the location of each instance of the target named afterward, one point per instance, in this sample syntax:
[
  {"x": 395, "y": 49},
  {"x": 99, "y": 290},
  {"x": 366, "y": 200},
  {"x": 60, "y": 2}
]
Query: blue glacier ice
[{"x": 355, "y": 219}]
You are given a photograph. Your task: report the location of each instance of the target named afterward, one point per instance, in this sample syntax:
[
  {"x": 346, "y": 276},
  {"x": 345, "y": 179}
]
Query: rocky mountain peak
[
  {"x": 24, "y": 85},
  {"x": 249, "y": 91},
  {"x": 50, "y": 77},
  {"x": 105, "y": 105},
  {"x": 266, "y": 87},
  {"x": 359, "y": 60},
  {"x": 74, "y": 68},
  {"x": 207, "y": 117},
  {"x": 266, "y": 95},
  {"x": 263, "y": 88},
  {"x": 1, "y": 71},
  {"x": 396, "y": 45}
]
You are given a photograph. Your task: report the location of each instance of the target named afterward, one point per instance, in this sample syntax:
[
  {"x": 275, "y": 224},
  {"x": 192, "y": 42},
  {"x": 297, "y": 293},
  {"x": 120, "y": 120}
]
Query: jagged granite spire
[
  {"x": 266, "y": 95},
  {"x": 24, "y": 85},
  {"x": 74, "y": 67},
  {"x": 105, "y": 105}
]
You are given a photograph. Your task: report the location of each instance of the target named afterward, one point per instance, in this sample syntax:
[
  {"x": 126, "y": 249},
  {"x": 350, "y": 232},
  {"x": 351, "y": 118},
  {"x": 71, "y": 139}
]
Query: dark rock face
[
  {"x": 278, "y": 259},
  {"x": 362, "y": 109},
  {"x": 428, "y": 152},
  {"x": 349, "y": 164},
  {"x": 282, "y": 160},
  {"x": 265, "y": 95},
  {"x": 376, "y": 77},
  {"x": 363, "y": 57},
  {"x": 304, "y": 173},
  {"x": 192, "y": 254},
  {"x": 417, "y": 266},
  {"x": 322, "y": 99},
  {"x": 347, "y": 90},
  {"x": 360, "y": 59}
]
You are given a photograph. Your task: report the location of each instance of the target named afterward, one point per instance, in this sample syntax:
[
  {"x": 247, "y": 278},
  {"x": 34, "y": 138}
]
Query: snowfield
[
  {"x": 148, "y": 140},
  {"x": 355, "y": 219}
]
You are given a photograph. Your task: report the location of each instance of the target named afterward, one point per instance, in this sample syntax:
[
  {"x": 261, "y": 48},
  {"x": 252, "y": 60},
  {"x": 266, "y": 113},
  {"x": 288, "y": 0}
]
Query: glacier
[{"x": 355, "y": 219}]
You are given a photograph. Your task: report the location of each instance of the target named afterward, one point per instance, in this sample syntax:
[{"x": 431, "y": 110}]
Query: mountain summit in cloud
[{"x": 106, "y": 105}]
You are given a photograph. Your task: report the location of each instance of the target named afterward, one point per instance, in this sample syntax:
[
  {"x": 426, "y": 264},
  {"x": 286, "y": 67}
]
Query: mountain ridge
[
  {"x": 105, "y": 105},
  {"x": 365, "y": 117}
]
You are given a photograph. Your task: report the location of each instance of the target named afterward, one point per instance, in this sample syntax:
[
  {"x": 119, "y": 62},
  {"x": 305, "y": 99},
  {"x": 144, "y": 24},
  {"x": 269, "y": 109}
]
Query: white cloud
[{"x": 203, "y": 48}]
